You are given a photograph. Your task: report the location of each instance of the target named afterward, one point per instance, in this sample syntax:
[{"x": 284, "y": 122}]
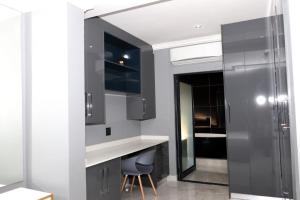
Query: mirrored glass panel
[
  {"x": 186, "y": 125},
  {"x": 11, "y": 156}
]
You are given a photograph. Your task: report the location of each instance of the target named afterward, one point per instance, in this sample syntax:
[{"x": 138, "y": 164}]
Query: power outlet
[{"x": 108, "y": 131}]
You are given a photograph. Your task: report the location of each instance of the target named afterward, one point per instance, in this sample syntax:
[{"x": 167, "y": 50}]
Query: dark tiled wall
[{"x": 209, "y": 113}]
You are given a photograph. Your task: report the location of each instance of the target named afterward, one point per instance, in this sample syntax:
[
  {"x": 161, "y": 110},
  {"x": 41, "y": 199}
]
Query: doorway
[{"x": 200, "y": 127}]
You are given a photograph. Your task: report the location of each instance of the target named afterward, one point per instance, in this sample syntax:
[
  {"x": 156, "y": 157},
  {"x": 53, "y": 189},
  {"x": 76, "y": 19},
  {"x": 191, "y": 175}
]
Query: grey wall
[
  {"x": 116, "y": 119},
  {"x": 164, "y": 123}
]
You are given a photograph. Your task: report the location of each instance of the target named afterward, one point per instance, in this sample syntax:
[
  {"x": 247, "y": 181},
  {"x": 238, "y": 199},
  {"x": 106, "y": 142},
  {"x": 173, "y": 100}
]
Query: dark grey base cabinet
[
  {"x": 161, "y": 165},
  {"x": 103, "y": 181}
]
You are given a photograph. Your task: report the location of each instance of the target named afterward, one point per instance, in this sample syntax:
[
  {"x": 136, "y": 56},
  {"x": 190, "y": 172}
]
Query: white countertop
[
  {"x": 103, "y": 152},
  {"x": 24, "y": 194},
  {"x": 210, "y": 135}
]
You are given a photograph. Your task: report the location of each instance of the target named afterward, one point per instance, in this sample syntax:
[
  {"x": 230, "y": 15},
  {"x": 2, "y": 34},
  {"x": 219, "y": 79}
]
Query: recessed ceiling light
[{"x": 197, "y": 26}]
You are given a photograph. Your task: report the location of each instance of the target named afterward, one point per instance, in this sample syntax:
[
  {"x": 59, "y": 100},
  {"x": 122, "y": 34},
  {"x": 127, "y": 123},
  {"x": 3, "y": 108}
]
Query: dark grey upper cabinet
[
  {"x": 94, "y": 72},
  {"x": 139, "y": 106},
  {"x": 148, "y": 83},
  {"x": 141, "y": 98},
  {"x": 142, "y": 106}
]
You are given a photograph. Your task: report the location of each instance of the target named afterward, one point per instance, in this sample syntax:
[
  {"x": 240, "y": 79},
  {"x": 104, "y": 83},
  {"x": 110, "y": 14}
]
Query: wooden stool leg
[
  {"x": 153, "y": 187},
  {"x": 141, "y": 187},
  {"x": 124, "y": 182},
  {"x": 132, "y": 183}
]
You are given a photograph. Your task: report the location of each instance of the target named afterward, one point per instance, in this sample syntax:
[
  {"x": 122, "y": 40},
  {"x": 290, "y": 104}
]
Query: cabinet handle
[
  {"x": 101, "y": 181},
  {"x": 144, "y": 105},
  {"x": 107, "y": 180},
  {"x": 89, "y": 104},
  {"x": 229, "y": 112}
]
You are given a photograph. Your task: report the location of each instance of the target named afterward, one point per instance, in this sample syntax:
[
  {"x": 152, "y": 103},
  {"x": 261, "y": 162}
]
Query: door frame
[{"x": 180, "y": 174}]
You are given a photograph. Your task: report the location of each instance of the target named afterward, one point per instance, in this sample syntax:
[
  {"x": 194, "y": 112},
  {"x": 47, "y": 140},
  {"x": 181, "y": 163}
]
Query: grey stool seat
[{"x": 141, "y": 164}]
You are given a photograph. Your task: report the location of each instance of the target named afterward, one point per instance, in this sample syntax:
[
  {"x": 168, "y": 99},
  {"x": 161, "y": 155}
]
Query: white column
[{"x": 56, "y": 160}]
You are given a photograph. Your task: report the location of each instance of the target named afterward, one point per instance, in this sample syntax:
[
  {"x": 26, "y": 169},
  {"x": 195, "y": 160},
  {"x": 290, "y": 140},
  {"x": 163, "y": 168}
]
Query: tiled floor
[
  {"x": 208, "y": 177},
  {"x": 173, "y": 190},
  {"x": 209, "y": 170}
]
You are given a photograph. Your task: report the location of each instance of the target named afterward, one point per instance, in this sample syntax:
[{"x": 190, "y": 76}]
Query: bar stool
[{"x": 141, "y": 164}]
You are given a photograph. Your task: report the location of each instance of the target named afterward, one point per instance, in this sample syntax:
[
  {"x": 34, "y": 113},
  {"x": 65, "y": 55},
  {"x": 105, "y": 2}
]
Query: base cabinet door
[{"x": 103, "y": 181}]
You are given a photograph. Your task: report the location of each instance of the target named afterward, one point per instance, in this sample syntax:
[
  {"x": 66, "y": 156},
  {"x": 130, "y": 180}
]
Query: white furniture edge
[
  {"x": 154, "y": 140},
  {"x": 24, "y": 193},
  {"x": 154, "y": 137},
  {"x": 124, "y": 141},
  {"x": 252, "y": 197},
  {"x": 209, "y": 135}
]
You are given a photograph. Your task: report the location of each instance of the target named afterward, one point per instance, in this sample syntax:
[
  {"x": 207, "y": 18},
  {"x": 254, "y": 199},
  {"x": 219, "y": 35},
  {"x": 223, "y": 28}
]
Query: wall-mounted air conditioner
[{"x": 199, "y": 53}]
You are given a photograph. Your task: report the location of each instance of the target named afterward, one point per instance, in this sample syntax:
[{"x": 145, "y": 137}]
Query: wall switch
[{"x": 108, "y": 131}]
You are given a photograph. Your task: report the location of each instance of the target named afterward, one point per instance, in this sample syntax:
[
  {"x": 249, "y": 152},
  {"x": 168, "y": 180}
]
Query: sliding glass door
[{"x": 185, "y": 133}]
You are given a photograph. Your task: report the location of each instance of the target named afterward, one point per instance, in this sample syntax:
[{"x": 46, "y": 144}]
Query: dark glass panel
[
  {"x": 218, "y": 117},
  {"x": 202, "y": 118},
  {"x": 196, "y": 80},
  {"x": 122, "y": 65},
  {"x": 216, "y": 78},
  {"x": 217, "y": 95},
  {"x": 211, "y": 148},
  {"x": 201, "y": 96}
]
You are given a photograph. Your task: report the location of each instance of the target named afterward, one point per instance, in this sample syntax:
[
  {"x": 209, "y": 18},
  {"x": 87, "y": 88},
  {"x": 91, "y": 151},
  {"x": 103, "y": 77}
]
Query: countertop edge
[{"x": 158, "y": 140}]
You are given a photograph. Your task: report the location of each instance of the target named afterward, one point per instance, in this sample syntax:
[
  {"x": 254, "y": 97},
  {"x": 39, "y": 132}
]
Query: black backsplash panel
[{"x": 211, "y": 148}]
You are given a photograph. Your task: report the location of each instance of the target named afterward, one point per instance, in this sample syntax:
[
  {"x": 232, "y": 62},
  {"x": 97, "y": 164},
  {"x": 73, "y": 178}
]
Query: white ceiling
[
  {"x": 174, "y": 20},
  {"x": 96, "y": 7},
  {"x": 162, "y": 21},
  {"x": 102, "y": 7}
]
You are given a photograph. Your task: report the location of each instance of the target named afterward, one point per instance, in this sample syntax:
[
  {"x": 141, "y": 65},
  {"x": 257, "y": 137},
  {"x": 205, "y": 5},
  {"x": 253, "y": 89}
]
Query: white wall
[
  {"x": 11, "y": 122},
  {"x": 292, "y": 32},
  {"x": 164, "y": 123},
  {"x": 56, "y": 143}
]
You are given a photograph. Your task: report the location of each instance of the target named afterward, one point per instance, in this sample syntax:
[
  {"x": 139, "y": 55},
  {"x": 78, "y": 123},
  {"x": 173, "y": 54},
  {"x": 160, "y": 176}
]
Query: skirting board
[
  {"x": 171, "y": 178},
  {"x": 236, "y": 196}
]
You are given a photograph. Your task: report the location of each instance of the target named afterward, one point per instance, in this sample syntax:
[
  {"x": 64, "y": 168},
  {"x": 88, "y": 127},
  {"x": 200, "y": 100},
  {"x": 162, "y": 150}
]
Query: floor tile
[{"x": 173, "y": 190}]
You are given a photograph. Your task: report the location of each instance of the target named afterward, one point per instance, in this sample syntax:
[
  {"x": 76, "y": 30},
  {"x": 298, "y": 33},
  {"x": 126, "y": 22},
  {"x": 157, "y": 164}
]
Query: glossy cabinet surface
[
  {"x": 94, "y": 72},
  {"x": 122, "y": 65},
  {"x": 148, "y": 82},
  {"x": 142, "y": 106},
  {"x": 251, "y": 103},
  {"x": 103, "y": 181},
  {"x": 104, "y": 44}
]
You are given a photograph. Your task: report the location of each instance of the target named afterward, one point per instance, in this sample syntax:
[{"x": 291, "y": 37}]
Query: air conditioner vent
[{"x": 204, "y": 52}]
